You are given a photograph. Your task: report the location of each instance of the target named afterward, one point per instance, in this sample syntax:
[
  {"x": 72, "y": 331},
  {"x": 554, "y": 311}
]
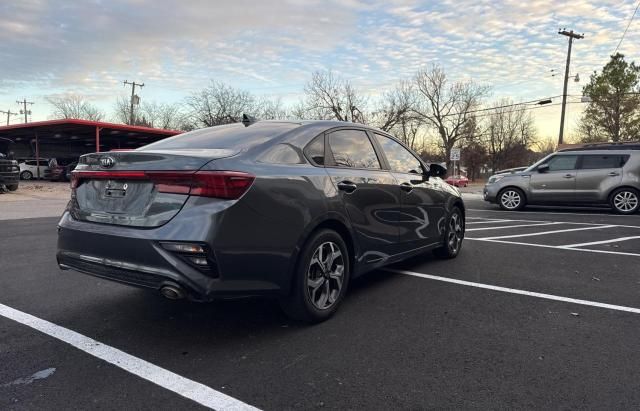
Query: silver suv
[{"x": 592, "y": 175}]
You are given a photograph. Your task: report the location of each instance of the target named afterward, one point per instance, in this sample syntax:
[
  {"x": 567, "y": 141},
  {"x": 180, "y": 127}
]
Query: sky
[{"x": 271, "y": 47}]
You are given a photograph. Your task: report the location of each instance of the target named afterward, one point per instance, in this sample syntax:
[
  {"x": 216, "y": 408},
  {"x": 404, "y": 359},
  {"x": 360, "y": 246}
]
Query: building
[{"x": 70, "y": 138}]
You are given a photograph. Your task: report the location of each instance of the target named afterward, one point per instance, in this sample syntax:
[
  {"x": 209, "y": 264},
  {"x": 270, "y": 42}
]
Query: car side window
[
  {"x": 399, "y": 158},
  {"x": 563, "y": 163},
  {"x": 592, "y": 161},
  {"x": 352, "y": 148},
  {"x": 315, "y": 150}
]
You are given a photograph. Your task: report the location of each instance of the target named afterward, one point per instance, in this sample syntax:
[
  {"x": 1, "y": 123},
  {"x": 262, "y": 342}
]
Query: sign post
[{"x": 455, "y": 156}]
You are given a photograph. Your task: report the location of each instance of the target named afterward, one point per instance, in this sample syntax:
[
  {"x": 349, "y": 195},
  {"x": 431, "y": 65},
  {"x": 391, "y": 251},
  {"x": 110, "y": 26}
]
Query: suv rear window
[
  {"x": 232, "y": 136},
  {"x": 595, "y": 161}
]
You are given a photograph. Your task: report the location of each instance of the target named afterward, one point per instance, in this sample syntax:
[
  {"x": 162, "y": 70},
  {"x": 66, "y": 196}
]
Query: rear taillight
[{"x": 218, "y": 184}]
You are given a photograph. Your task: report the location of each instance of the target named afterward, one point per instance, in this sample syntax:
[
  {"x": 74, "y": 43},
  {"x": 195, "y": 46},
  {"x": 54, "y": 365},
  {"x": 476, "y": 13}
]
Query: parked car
[
  {"x": 29, "y": 168},
  {"x": 293, "y": 210},
  {"x": 457, "y": 181},
  {"x": 602, "y": 174},
  {"x": 68, "y": 169},
  {"x": 9, "y": 173},
  {"x": 59, "y": 168}
]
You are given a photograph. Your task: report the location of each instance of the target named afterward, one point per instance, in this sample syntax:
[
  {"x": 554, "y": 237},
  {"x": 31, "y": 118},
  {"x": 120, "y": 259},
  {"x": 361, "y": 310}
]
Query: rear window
[
  {"x": 232, "y": 136},
  {"x": 594, "y": 161}
]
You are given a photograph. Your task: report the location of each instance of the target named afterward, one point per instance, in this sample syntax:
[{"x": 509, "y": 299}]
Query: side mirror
[
  {"x": 543, "y": 168},
  {"x": 436, "y": 170}
]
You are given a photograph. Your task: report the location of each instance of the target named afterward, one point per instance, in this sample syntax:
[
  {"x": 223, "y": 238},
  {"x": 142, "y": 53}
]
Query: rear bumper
[
  {"x": 135, "y": 257},
  {"x": 9, "y": 178}
]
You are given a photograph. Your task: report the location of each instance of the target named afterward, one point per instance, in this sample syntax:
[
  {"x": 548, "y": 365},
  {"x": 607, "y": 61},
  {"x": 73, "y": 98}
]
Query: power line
[
  {"x": 24, "y": 111},
  {"x": 625, "y": 30},
  {"x": 133, "y": 98},
  {"x": 9, "y": 113}
]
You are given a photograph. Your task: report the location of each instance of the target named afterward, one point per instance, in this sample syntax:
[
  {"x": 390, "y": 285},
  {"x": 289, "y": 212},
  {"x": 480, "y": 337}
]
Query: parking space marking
[
  {"x": 519, "y": 292},
  {"x": 613, "y": 240},
  {"x": 512, "y": 226},
  {"x": 547, "y": 232},
  {"x": 557, "y": 247},
  {"x": 568, "y": 213},
  {"x": 185, "y": 387}
]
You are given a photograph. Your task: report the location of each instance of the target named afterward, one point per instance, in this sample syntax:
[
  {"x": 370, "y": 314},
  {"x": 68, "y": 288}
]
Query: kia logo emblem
[{"x": 107, "y": 162}]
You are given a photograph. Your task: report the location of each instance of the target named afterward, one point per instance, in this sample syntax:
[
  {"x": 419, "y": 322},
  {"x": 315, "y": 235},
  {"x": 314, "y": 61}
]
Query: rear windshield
[{"x": 232, "y": 136}]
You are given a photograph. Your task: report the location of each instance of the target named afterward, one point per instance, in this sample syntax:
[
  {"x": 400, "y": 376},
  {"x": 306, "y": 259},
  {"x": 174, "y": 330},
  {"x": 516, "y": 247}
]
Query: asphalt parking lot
[{"x": 540, "y": 310}]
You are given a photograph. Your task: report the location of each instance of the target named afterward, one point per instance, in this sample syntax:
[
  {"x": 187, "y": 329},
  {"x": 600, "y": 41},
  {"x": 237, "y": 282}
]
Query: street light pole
[{"x": 571, "y": 36}]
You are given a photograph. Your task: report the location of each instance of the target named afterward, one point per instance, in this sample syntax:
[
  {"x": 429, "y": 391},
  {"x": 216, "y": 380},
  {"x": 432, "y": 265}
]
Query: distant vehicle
[
  {"x": 9, "y": 169},
  {"x": 59, "y": 168},
  {"x": 458, "y": 181},
  {"x": 29, "y": 168},
  {"x": 292, "y": 210},
  {"x": 69, "y": 169},
  {"x": 595, "y": 174}
]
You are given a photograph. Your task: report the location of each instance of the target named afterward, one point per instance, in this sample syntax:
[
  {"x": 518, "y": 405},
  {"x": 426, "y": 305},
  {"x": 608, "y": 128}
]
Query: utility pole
[
  {"x": 9, "y": 114},
  {"x": 24, "y": 111},
  {"x": 571, "y": 36},
  {"x": 133, "y": 96}
]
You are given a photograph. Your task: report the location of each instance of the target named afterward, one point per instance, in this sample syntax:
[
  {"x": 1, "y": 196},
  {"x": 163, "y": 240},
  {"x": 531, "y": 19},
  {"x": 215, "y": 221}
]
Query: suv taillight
[{"x": 219, "y": 184}]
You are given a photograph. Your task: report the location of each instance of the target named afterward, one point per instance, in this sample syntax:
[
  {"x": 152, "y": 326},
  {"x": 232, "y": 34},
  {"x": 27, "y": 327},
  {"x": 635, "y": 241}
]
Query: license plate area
[{"x": 115, "y": 189}]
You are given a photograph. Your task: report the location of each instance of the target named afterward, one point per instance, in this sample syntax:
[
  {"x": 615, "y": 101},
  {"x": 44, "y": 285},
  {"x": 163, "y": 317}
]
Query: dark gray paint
[{"x": 256, "y": 240}]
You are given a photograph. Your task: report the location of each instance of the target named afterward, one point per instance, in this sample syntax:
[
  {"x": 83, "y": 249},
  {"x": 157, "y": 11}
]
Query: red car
[{"x": 458, "y": 181}]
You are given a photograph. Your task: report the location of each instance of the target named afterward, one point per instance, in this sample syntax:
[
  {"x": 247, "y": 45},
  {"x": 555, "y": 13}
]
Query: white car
[{"x": 29, "y": 168}]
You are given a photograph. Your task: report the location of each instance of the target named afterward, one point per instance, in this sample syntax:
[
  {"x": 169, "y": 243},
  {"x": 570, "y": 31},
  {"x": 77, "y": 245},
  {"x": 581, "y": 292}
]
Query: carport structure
[{"x": 72, "y": 138}]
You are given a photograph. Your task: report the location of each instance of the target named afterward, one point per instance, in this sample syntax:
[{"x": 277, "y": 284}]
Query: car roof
[{"x": 598, "y": 152}]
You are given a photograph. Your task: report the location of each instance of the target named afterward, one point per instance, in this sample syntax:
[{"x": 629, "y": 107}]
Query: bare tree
[
  {"x": 446, "y": 107},
  {"x": 396, "y": 108},
  {"x": 509, "y": 131},
  {"x": 269, "y": 109},
  {"x": 219, "y": 104},
  {"x": 329, "y": 97},
  {"x": 121, "y": 110},
  {"x": 74, "y": 106},
  {"x": 163, "y": 115}
]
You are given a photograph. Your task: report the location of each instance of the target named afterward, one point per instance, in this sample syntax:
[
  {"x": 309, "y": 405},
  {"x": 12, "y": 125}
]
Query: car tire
[
  {"x": 512, "y": 199},
  {"x": 12, "y": 187},
  {"x": 453, "y": 236},
  {"x": 26, "y": 175},
  {"x": 625, "y": 200},
  {"x": 317, "y": 289}
]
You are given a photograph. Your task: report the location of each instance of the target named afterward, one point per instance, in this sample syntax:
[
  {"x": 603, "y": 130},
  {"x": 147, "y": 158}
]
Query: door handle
[
  {"x": 347, "y": 186},
  {"x": 407, "y": 187},
  {"x": 614, "y": 173},
  {"x": 568, "y": 176}
]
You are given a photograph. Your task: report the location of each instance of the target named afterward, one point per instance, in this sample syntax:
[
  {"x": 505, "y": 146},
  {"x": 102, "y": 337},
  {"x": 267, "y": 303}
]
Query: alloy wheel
[
  {"x": 455, "y": 232},
  {"x": 511, "y": 199},
  {"x": 325, "y": 275},
  {"x": 625, "y": 201}
]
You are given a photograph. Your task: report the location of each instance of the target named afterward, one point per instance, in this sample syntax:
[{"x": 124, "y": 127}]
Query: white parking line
[
  {"x": 613, "y": 240},
  {"x": 568, "y": 213},
  {"x": 164, "y": 378},
  {"x": 546, "y": 232},
  {"x": 557, "y": 247},
  {"x": 520, "y": 292},
  {"x": 511, "y": 226}
]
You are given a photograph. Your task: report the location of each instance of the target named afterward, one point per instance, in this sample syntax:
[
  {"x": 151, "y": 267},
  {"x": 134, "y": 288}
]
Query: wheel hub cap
[{"x": 325, "y": 275}]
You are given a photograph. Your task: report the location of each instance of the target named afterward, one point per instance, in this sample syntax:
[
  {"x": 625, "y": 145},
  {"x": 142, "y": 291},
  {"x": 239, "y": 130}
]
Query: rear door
[
  {"x": 370, "y": 194},
  {"x": 558, "y": 184},
  {"x": 422, "y": 205},
  {"x": 598, "y": 175}
]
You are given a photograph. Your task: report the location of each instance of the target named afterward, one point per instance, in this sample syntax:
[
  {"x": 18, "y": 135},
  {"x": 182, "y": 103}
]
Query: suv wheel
[
  {"x": 26, "y": 175},
  {"x": 453, "y": 236},
  {"x": 511, "y": 199},
  {"x": 12, "y": 187},
  {"x": 321, "y": 279},
  {"x": 625, "y": 201}
]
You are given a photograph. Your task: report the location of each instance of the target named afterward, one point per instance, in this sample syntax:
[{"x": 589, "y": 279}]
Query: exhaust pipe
[{"x": 172, "y": 292}]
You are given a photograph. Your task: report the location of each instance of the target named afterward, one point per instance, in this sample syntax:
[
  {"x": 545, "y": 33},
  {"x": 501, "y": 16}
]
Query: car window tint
[
  {"x": 315, "y": 150},
  {"x": 399, "y": 158},
  {"x": 563, "y": 163},
  {"x": 352, "y": 148},
  {"x": 602, "y": 161}
]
